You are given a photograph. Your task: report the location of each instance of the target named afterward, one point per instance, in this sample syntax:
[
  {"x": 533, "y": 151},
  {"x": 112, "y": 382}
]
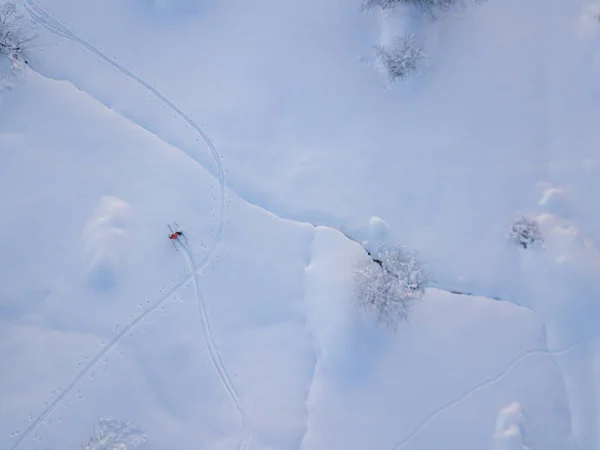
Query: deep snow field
[{"x": 266, "y": 130}]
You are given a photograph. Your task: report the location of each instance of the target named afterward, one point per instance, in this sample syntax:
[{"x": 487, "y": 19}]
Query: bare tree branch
[{"x": 14, "y": 38}]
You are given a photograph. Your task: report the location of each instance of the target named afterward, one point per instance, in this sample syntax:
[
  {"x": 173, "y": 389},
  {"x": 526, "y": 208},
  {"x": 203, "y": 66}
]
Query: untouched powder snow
[{"x": 267, "y": 133}]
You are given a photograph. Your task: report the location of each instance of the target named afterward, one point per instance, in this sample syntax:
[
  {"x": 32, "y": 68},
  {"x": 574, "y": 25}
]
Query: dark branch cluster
[
  {"x": 389, "y": 284},
  {"x": 13, "y": 38},
  {"x": 526, "y": 232},
  {"x": 401, "y": 59}
]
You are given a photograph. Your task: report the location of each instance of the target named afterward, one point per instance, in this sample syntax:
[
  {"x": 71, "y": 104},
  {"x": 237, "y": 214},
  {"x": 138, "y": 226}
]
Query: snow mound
[
  {"x": 566, "y": 243},
  {"x": 554, "y": 200},
  {"x": 564, "y": 281},
  {"x": 105, "y": 237},
  {"x": 510, "y": 428},
  {"x": 378, "y": 233}
]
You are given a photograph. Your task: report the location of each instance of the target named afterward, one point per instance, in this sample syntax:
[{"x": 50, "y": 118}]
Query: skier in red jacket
[{"x": 175, "y": 235}]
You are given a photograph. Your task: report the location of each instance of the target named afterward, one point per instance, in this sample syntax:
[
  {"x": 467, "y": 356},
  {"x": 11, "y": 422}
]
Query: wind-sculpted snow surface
[
  {"x": 43, "y": 18},
  {"x": 105, "y": 236},
  {"x": 253, "y": 339}
]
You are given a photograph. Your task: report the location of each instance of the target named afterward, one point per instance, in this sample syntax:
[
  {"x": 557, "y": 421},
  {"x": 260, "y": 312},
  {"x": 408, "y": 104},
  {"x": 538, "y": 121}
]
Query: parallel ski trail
[
  {"x": 112, "y": 344},
  {"x": 212, "y": 348},
  {"x": 44, "y": 19},
  {"x": 434, "y": 415}
]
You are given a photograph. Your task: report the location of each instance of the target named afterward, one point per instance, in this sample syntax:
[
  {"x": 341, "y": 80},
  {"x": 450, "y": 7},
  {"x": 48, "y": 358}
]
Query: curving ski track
[
  {"x": 434, "y": 415},
  {"x": 41, "y": 17},
  {"x": 212, "y": 348},
  {"x": 44, "y": 19}
]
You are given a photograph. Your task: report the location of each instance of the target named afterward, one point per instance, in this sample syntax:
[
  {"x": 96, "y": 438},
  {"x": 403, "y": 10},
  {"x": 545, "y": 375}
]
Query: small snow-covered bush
[
  {"x": 14, "y": 39},
  {"x": 383, "y": 4},
  {"x": 426, "y": 5},
  {"x": 401, "y": 59},
  {"x": 525, "y": 231},
  {"x": 430, "y": 7},
  {"x": 113, "y": 434},
  {"x": 388, "y": 284}
]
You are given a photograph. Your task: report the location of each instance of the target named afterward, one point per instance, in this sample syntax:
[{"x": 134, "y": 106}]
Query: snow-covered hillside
[{"x": 267, "y": 132}]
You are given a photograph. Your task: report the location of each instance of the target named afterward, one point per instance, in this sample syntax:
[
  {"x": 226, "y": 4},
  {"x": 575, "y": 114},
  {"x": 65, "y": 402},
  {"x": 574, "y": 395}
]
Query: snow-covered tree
[
  {"x": 525, "y": 231},
  {"x": 113, "y": 434},
  {"x": 401, "y": 59},
  {"x": 14, "y": 39},
  {"x": 388, "y": 284}
]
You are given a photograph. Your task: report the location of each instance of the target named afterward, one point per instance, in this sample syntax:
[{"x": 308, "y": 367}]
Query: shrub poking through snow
[
  {"x": 13, "y": 37},
  {"x": 388, "y": 284},
  {"x": 401, "y": 59},
  {"x": 430, "y": 7},
  {"x": 382, "y": 4},
  {"x": 113, "y": 434},
  {"x": 423, "y": 5},
  {"x": 525, "y": 231}
]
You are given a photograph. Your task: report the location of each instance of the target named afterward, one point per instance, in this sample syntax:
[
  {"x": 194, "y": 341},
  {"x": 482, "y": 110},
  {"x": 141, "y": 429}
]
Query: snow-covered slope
[{"x": 265, "y": 132}]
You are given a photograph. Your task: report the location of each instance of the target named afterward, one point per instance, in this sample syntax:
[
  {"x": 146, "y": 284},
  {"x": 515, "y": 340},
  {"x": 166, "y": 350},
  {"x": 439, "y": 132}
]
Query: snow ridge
[
  {"x": 44, "y": 19},
  {"x": 314, "y": 345}
]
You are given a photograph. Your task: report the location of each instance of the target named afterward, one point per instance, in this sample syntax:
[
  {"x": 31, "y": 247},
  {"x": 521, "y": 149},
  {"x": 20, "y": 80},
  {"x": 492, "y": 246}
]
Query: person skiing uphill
[{"x": 175, "y": 235}]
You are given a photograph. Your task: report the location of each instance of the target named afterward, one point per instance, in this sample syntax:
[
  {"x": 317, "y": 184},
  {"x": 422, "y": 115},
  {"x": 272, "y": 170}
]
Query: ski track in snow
[
  {"x": 41, "y": 17},
  {"x": 212, "y": 348},
  {"x": 434, "y": 415},
  {"x": 112, "y": 344},
  {"x": 44, "y": 19}
]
